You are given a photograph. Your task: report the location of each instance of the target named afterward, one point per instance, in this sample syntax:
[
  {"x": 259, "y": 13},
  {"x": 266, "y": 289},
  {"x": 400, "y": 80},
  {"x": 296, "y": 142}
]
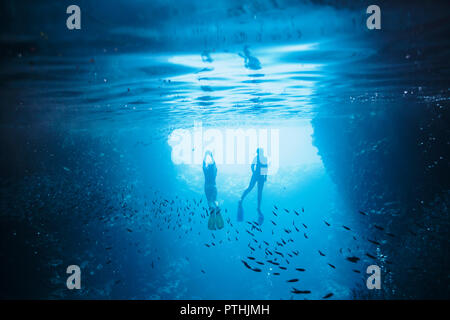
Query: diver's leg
[
  {"x": 260, "y": 189},
  {"x": 250, "y": 187},
  {"x": 212, "y": 210}
]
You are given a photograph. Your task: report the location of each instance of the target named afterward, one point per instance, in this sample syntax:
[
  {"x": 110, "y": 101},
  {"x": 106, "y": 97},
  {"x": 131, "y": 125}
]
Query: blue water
[{"x": 91, "y": 177}]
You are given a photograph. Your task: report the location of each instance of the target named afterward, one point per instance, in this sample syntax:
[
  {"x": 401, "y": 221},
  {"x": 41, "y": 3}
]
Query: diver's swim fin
[
  {"x": 260, "y": 218},
  {"x": 219, "y": 219},
  {"x": 240, "y": 213},
  {"x": 211, "y": 221}
]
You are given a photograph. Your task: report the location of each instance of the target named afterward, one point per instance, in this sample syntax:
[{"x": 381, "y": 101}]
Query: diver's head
[{"x": 260, "y": 152}]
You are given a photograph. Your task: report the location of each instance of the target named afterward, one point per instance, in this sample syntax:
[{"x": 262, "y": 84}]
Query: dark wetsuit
[
  {"x": 210, "y": 173},
  {"x": 259, "y": 176}
]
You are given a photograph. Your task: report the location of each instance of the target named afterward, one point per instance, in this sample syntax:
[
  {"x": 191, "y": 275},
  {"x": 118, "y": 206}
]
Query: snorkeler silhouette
[
  {"x": 259, "y": 176},
  {"x": 210, "y": 172}
]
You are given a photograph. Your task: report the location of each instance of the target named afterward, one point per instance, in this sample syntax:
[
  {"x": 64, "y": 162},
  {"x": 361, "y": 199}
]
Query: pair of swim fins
[
  {"x": 215, "y": 221},
  {"x": 240, "y": 214}
]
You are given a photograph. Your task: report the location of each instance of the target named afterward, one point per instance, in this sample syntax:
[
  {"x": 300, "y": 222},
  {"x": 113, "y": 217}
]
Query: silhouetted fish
[
  {"x": 279, "y": 253},
  {"x": 282, "y": 268},
  {"x": 378, "y": 227},
  {"x": 326, "y": 223},
  {"x": 363, "y": 213},
  {"x": 346, "y": 228},
  {"x": 390, "y": 234},
  {"x": 286, "y": 210},
  {"x": 251, "y": 258},
  {"x": 296, "y": 291},
  {"x": 256, "y": 269},
  {"x": 305, "y": 235},
  {"x": 331, "y": 266},
  {"x": 374, "y": 242},
  {"x": 292, "y": 280},
  {"x": 300, "y": 269},
  {"x": 321, "y": 253},
  {"x": 356, "y": 271},
  {"x": 246, "y": 264},
  {"x": 371, "y": 256},
  {"x": 328, "y": 295},
  {"x": 353, "y": 259},
  {"x": 276, "y": 273}
]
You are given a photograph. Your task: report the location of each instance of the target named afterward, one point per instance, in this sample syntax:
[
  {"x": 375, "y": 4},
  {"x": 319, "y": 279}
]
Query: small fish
[
  {"x": 353, "y": 259},
  {"x": 292, "y": 280},
  {"x": 275, "y": 207},
  {"x": 304, "y": 225},
  {"x": 346, "y": 228},
  {"x": 300, "y": 269},
  {"x": 296, "y": 291},
  {"x": 251, "y": 258},
  {"x": 326, "y": 223},
  {"x": 207, "y": 245},
  {"x": 305, "y": 235},
  {"x": 260, "y": 263},
  {"x": 203, "y": 271},
  {"x": 282, "y": 268},
  {"x": 279, "y": 253},
  {"x": 363, "y": 213},
  {"x": 371, "y": 256},
  {"x": 356, "y": 271},
  {"x": 256, "y": 269},
  {"x": 129, "y": 230},
  {"x": 274, "y": 214},
  {"x": 321, "y": 253},
  {"x": 331, "y": 266},
  {"x": 374, "y": 242},
  {"x": 276, "y": 273},
  {"x": 286, "y": 210},
  {"x": 303, "y": 209},
  {"x": 390, "y": 235},
  {"x": 378, "y": 227},
  {"x": 273, "y": 223},
  {"x": 246, "y": 264}
]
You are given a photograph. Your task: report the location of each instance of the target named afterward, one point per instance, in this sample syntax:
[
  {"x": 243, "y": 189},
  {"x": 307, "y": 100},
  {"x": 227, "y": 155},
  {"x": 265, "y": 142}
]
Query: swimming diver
[
  {"x": 259, "y": 176},
  {"x": 210, "y": 172}
]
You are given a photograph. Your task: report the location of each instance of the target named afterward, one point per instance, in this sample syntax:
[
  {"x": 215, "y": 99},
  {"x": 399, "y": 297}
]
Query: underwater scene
[{"x": 258, "y": 149}]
